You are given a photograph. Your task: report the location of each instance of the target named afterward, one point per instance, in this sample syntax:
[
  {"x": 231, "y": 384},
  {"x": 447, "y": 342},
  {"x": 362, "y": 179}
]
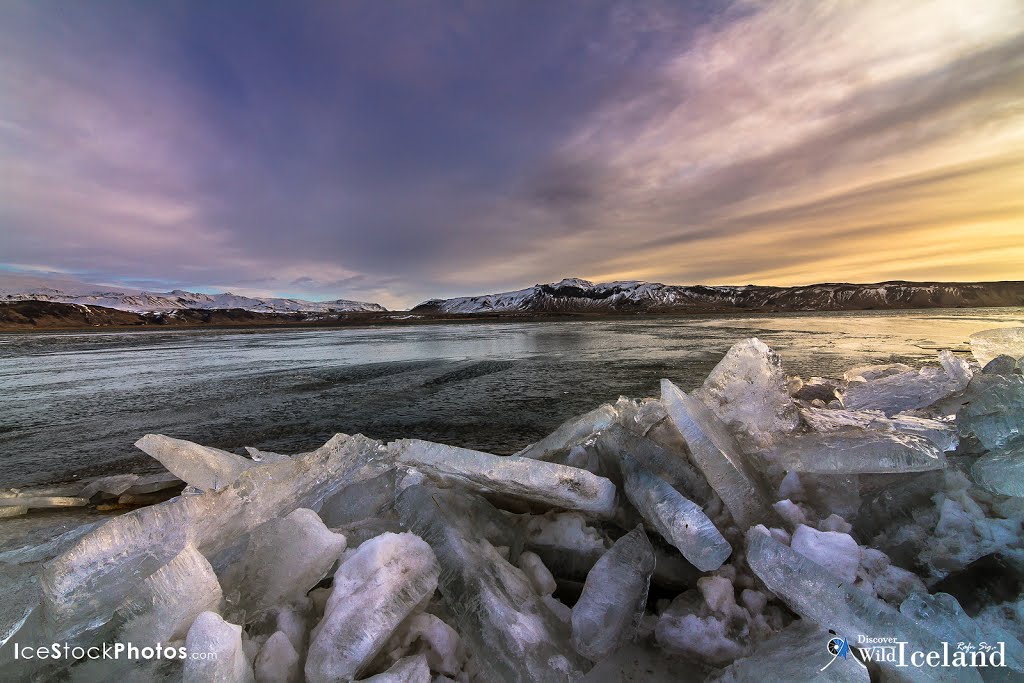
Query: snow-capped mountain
[
  {"x": 574, "y": 295},
  {"x": 156, "y": 302}
]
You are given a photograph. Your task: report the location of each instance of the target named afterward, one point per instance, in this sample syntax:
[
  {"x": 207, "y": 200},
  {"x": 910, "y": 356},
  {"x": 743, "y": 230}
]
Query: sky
[{"x": 399, "y": 150}]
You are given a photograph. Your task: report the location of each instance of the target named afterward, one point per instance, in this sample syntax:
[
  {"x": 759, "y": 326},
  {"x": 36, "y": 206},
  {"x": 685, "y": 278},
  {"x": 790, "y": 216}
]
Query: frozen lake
[{"x": 72, "y": 404}]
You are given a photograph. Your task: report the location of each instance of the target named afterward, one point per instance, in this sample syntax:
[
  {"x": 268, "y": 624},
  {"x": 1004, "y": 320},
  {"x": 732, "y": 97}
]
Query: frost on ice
[{"x": 716, "y": 535}]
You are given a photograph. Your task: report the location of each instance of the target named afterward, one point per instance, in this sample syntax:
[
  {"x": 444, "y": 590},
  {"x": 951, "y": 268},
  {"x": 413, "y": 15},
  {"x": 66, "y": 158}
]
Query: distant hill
[
  {"x": 157, "y": 302},
  {"x": 573, "y": 295}
]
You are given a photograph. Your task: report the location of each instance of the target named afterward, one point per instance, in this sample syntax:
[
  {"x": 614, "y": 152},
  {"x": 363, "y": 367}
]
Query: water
[{"x": 72, "y": 404}]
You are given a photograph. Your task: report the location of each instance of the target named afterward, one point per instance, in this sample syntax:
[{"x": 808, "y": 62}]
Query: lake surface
[{"x": 72, "y": 404}]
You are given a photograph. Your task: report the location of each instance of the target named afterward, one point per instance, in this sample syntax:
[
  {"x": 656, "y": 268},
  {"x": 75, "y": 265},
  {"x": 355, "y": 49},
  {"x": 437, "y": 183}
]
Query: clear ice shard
[
  {"x": 614, "y": 597},
  {"x": 546, "y": 483},
  {"x": 170, "y": 600},
  {"x": 942, "y": 433},
  {"x": 680, "y": 521},
  {"x": 941, "y": 615},
  {"x": 817, "y": 595},
  {"x": 795, "y": 653},
  {"x": 411, "y": 669},
  {"x": 375, "y": 589},
  {"x": 909, "y": 389},
  {"x": 994, "y": 410},
  {"x": 988, "y": 344},
  {"x": 371, "y": 499},
  {"x": 575, "y": 431},
  {"x": 1002, "y": 471},
  {"x": 284, "y": 558},
  {"x": 82, "y": 587},
  {"x": 212, "y": 635},
  {"x": 507, "y": 628},
  {"x": 209, "y": 469},
  {"x": 858, "y": 451},
  {"x": 747, "y": 390},
  {"x": 672, "y": 466},
  {"x": 717, "y": 455}
]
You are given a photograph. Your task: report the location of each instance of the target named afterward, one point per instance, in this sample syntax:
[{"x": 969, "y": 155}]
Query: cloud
[{"x": 430, "y": 149}]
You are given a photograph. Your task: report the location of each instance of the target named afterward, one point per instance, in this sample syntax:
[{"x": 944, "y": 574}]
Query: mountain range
[{"x": 574, "y": 295}]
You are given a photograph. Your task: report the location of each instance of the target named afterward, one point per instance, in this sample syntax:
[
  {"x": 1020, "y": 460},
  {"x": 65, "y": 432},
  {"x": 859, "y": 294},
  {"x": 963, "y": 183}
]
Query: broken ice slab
[
  {"x": 816, "y": 594},
  {"x": 941, "y": 615},
  {"x": 83, "y": 586},
  {"x": 1002, "y": 471},
  {"x": 374, "y": 498},
  {"x": 170, "y": 600},
  {"x": 375, "y": 589},
  {"x": 909, "y": 389},
  {"x": 672, "y": 466},
  {"x": 151, "y": 483},
  {"x": 222, "y": 642},
  {"x": 994, "y": 410},
  {"x": 43, "y": 502},
  {"x": 1002, "y": 365},
  {"x": 614, "y": 597},
  {"x": 796, "y": 653},
  {"x": 680, "y": 521},
  {"x": 283, "y": 560},
  {"x": 858, "y": 451},
  {"x": 575, "y": 431},
  {"x": 747, "y": 391},
  {"x": 988, "y": 344},
  {"x": 209, "y": 469},
  {"x": 411, "y": 669},
  {"x": 113, "y": 485},
  {"x": 717, "y": 455},
  {"x": 510, "y": 632},
  {"x": 942, "y": 433},
  {"x": 13, "y": 511},
  {"x": 536, "y": 481}
]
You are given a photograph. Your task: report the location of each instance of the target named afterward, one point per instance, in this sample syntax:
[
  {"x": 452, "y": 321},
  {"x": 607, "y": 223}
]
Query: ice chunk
[
  {"x": 375, "y": 588},
  {"x": 82, "y": 587},
  {"x": 867, "y": 373},
  {"x": 536, "y": 481},
  {"x": 210, "y": 469},
  {"x": 717, "y": 455},
  {"x": 994, "y": 411},
  {"x": 1002, "y": 471},
  {"x": 835, "y": 551},
  {"x": 672, "y": 466},
  {"x": 858, "y": 451},
  {"x": 566, "y": 544},
  {"x": 796, "y": 653},
  {"x": 814, "y": 593},
  {"x": 1002, "y": 365},
  {"x": 411, "y": 669},
  {"x": 614, "y": 597},
  {"x": 941, "y": 615},
  {"x": 113, "y": 485},
  {"x": 42, "y": 502},
  {"x": 575, "y": 431},
  {"x": 151, "y": 483},
  {"x": 909, "y": 389},
  {"x": 171, "y": 599},
  {"x": 438, "y": 641},
  {"x": 942, "y": 434},
  {"x": 222, "y": 642},
  {"x": 507, "y": 628},
  {"x": 679, "y": 521},
  {"x": 988, "y": 344},
  {"x": 284, "y": 559},
  {"x": 277, "y": 661},
  {"x": 747, "y": 390},
  {"x": 542, "y": 580}
]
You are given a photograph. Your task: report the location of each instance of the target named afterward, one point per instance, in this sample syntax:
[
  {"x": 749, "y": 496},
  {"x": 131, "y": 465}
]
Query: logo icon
[{"x": 838, "y": 647}]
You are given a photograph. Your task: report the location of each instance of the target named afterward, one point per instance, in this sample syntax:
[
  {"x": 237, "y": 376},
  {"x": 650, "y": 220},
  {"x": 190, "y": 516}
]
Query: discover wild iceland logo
[{"x": 893, "y": 652}]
